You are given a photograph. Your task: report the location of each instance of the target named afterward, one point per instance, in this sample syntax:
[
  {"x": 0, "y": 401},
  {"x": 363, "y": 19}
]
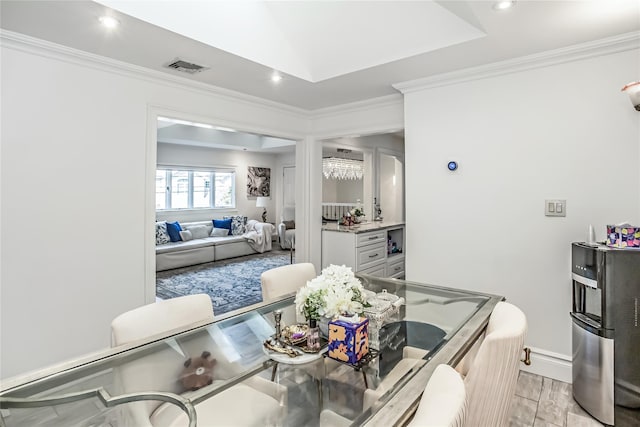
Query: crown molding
[
  {"x": 32, "y": 45},
  {"x": 392, "y": 100},
  {"x": 606, "y": 46}
]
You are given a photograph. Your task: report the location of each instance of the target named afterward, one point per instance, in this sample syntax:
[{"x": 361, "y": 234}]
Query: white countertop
[{"x": 362, "y": 227}]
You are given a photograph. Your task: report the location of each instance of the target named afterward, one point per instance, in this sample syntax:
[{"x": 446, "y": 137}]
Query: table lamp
[{"x": 261, "y": 202}]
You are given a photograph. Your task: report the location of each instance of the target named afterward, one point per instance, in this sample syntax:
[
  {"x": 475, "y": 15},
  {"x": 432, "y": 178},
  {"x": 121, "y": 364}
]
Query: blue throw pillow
[
  {"x": 223, "y": 223},
  {"x": 174, "y": 229}
]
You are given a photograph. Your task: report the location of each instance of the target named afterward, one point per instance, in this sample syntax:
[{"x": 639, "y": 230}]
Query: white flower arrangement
[
  {"x": 356, "y": 212},
  {"x": 335, "y": 292}
]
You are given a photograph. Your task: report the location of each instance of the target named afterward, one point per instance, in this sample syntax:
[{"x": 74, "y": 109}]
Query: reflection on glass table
[{"x": 249, "y": 388}]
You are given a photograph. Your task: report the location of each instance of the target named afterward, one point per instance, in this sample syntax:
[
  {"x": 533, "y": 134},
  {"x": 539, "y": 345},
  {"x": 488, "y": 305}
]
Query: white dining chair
[
  {"x": 493, "y": 373},
  {"x": 167, "y": 315},
  {"x": 443, "y": 402},
  {"x": 286, "y": 279},
  {"x": 161, "y": 369}
]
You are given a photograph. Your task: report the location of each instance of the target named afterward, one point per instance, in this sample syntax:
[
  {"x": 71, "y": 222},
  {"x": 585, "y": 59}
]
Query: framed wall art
[{"x": 258, "y": 182}]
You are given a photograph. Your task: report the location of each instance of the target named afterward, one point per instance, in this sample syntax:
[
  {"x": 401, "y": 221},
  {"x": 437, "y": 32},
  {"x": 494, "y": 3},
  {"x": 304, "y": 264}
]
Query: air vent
[{"x": 186, "y": 66}]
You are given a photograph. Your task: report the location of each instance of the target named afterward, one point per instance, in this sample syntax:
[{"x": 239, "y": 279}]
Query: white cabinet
[{"x": 366, "y": 251}]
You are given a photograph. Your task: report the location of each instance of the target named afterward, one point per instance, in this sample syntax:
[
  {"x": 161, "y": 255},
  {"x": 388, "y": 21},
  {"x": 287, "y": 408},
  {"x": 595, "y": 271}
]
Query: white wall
[
  {"x": 73, "y": 217},
  {"x": 183, "y": 155},
  {"x": 559, "y": 132}
]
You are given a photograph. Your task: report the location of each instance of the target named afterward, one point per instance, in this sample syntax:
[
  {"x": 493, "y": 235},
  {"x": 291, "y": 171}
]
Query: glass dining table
[{"x": 252, "y": 385}]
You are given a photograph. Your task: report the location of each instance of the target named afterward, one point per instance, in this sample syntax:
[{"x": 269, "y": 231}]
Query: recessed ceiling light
[
  {"x": 276, "y": 78},
  {"x": 109, "y": 21},
  {"x": 503, "y": 5}
]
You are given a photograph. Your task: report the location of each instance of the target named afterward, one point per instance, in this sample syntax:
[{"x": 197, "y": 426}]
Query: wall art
[{"x": 259, "y": 181}]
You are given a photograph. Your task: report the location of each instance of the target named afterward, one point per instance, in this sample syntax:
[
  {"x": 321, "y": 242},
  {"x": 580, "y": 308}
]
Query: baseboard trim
[{"x": 549, "y": 364}]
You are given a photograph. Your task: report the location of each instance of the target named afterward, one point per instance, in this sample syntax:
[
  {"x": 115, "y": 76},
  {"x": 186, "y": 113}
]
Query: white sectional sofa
[{"x": 182, "y": 254}]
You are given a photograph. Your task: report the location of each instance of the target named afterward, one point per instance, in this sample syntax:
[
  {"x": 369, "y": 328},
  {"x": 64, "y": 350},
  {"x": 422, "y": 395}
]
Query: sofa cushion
[
  {"x": 185, "y": 235},
  {"x": 238, "y": 224},
  {"x": 174, "y": 229},
  {"x": 181, "y": 246},
  {"x": 162, "y": 236},
  {"x": 198, "y": 231},
  {"x": 219, "y": 232},
  {"x": 223, "y": 223}
]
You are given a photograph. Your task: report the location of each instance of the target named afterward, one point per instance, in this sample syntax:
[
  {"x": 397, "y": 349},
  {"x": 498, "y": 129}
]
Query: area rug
[{"x": 233, "y": 283}]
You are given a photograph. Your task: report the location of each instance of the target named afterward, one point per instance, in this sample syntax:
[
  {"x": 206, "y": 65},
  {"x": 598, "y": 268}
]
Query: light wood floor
[{"x": 543, "y": 402}]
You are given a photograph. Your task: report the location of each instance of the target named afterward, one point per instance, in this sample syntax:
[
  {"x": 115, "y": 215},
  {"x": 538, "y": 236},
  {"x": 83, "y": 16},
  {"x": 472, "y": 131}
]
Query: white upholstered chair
[
  {"x": 286, "y": 279},
  {"x": 161, "y": 369},
  {"x": 287, "y": 229},
  {"x": 167, "y": 315},
  {"x": 443, "y": 402},
  {"x": 493, "y": 372}
]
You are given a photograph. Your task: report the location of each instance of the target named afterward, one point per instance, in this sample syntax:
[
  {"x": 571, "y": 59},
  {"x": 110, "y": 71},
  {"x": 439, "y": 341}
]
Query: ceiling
[{"x": 329, "y": 53}]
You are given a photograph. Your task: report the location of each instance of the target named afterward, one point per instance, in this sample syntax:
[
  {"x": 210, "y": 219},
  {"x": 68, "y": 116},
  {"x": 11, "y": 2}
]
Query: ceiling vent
[{"x": 186, "y": 66}]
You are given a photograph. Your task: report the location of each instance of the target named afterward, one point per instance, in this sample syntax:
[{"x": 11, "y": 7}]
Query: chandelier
[{"x": 336, "y": 168}]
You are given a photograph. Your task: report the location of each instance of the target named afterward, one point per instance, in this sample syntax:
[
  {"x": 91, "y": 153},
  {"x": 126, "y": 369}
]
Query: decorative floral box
[
  {"x": 348, "y": 341},
  {"x": 623, "y": 236}
]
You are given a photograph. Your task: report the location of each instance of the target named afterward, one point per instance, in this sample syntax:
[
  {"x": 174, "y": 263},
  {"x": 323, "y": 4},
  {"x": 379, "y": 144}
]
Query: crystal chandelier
[{"x": 336, "y": 168}]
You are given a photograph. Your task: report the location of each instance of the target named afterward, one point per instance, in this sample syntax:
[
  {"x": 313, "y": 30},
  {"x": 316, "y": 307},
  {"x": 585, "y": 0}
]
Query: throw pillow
[
  {"x": 162, "y": 236},
  {"x": 288, "y": 225},
  {"x": 223, "y": 223},
  {"x": 185, "y": 235},
  {"x": 198, "y": 231},
  {"x": 174, "y": 229},
  {"x": 219, "y": 232},
  {"x": 238, "y": 224}
]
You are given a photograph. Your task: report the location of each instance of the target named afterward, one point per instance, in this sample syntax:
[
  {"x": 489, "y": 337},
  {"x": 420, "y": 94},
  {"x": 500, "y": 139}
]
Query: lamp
[
  {"x": 633, "y": 90},
  {"x": 261, "y": 202},
  {"x": 337, "y": 168}
]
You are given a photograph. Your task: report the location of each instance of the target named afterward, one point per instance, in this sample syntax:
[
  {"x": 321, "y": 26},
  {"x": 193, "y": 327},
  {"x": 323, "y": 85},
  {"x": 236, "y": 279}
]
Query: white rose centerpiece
[{"x": 335, "y": 292}]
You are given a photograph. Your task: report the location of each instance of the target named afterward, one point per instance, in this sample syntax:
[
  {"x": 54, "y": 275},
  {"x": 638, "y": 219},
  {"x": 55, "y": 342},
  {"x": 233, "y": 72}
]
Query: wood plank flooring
[{"x": 543, "y": 402}]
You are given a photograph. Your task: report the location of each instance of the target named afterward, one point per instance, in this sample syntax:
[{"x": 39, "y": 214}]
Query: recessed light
[
  {"x": 276, "y": 78},
  {"x": 503, "y": 5},
  {"x": 109, "y": 21}
]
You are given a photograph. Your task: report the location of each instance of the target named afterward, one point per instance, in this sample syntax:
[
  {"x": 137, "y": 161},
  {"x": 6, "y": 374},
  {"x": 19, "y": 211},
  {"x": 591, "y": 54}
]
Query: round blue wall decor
[{"x": 452, "y": 166}]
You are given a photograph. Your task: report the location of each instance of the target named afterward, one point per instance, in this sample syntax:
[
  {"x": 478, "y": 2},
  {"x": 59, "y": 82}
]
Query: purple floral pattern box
[
  {"x": 625, "y": 236},
  {"x": 348, "y": 342}
]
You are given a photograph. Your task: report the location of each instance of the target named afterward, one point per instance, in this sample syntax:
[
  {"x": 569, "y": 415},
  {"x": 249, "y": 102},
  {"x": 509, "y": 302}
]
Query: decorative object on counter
[
  {"x": 623, "y": 236},
  {"x": 591, "y": 236},
  {"x": 313, "y": 335},
  {"x": 357, "y": 214},
  {"x": 348, "y": 338},
  {"x": 277, "y": 315},
  {"x": 348, "y": 220},
  {"x": 334, "y": 292},
  {"x": 197, "y": 372},
  {"x": 273, "y": 345},
  {"x": 295, "y": 334},
  {"x": 633, "y": 90},
  {"x": 383, "y": 308}
]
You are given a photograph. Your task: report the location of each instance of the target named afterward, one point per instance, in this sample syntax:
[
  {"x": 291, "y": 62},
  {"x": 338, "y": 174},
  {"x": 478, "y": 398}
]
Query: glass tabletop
[{"x": 146, "y": 383}]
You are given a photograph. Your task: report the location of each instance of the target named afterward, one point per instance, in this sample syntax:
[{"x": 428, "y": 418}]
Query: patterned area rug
[{"x": 233, "y": 283}]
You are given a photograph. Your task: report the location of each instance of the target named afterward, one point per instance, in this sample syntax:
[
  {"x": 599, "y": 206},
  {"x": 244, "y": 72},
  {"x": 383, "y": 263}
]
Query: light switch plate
[{"x": 555, "y": 207}]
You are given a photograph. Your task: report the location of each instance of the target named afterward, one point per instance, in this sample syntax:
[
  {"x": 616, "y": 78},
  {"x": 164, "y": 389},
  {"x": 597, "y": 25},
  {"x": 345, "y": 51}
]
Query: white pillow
[
  {"x": 198, "y": 231},
  {"x": 219, "y": 232},
  {"x": 186, "y": 235}
]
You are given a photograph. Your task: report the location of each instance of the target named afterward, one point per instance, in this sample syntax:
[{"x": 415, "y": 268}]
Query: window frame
[{"x": 169, "y": 169}]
